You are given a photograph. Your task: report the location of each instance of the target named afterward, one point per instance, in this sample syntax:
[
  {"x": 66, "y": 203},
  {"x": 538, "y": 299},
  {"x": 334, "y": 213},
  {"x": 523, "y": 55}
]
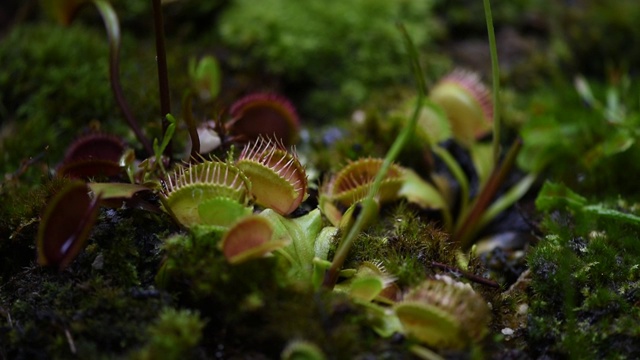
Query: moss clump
[
  {"x": 173, "y": 336},
  {"x": 53, "y": 81},
  {"x": 406, "y": 245},
  {"x": 299, "y": 41},
  {"x": 585, "y": 288},
  {"x": 63, "y": 316},
  {"x": 19, "y": 219},
  {"x": 99, "y": 307},
  {"x": 255, "y": 309}
]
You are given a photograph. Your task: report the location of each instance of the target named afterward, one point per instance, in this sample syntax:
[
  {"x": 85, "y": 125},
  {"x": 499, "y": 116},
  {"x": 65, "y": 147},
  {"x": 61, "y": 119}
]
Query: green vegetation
[
  {"x": 585, "y": 278},
  {"x": 338, "y": 49},
  {"x": 53, "y": 82},
  {"x": 260, "y": 251}
]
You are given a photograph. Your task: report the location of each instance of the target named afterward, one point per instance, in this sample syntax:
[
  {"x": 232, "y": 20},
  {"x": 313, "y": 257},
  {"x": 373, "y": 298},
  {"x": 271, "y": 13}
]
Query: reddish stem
[
  {"x": 112, "y": 26},
  {"x": 469, "y": 227}
]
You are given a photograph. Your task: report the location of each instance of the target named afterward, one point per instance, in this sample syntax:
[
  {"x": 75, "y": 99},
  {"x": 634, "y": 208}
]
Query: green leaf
[
  {"x": 554, "y": 196},
  {"x": 108, "y": 191},
  {"x": 222, "y": 211},
  {"x": 612, "y": 214},
  {"x": 302, "y": 234}
]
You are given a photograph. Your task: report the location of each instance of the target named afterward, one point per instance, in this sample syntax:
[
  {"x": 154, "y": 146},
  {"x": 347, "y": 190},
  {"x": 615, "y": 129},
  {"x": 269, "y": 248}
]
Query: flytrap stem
[
  {"x": 112, "y": 26},
  {"x": 163, "y": 78},
  {"x": 495, "y": 79},
  {"x": 369, "y": 205}
]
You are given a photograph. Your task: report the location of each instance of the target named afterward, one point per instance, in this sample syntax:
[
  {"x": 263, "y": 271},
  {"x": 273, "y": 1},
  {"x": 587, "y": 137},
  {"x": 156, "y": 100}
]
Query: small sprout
[
  {"x": 444, "y": 314},
  {"x": 278, "y": 179},
  {"x": 91, "y": 155},
  {"x": 66, "y": 224},
  {"x": 205, "y": 77},
  {"x": 186, "y": 189},
  {"x": 467, "y": 104},
  {"x": 264, "y": 114},
  {"x": 249, "y": 238}
]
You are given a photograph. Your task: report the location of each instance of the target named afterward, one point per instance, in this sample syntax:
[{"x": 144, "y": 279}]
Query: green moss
[
  {"x": 253, "y": 308},
  {"x": 299, "y": 41},
  {"x": 582, "y": 300},
  {"x": 53, "y": 81},
  {"x": 173, "y": 336},
  {"x": 99, "y": 307},
  {"x": 405, "y": 243},
  {"x": 56, "y": 316},
  {"x": 19, "y": 215}
]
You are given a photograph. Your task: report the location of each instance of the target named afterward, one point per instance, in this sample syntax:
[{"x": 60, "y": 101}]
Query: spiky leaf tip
[{"x": 278, "y": 179}]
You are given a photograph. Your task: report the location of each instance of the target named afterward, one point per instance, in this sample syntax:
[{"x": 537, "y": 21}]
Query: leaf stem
[{"x": 495, "y": 74}]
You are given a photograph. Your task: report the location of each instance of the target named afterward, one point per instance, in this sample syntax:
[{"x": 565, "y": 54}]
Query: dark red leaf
[{"x": 66, "y": 224}]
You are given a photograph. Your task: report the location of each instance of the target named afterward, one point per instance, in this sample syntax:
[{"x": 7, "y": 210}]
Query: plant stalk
[
  {"x": 112, "y": 26},
  {"x": 369, "y": 204},
  {"x": 495, "y": 75},
  {"x": 163, "y": 77}
]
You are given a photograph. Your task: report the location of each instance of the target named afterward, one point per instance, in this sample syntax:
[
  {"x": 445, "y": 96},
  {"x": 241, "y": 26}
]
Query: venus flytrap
[
  {"x": 63, "y": 234},
  {"x": 250, "y": 238},
  {"x": 278, "y": 179},
  {"x": 466, "y": 104},
  {"x": 213, "y": 193},
  {"x": 351, "y": 184},
  {"x": 444, "y": 314},
  {"x": 263, "y": 114}
]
